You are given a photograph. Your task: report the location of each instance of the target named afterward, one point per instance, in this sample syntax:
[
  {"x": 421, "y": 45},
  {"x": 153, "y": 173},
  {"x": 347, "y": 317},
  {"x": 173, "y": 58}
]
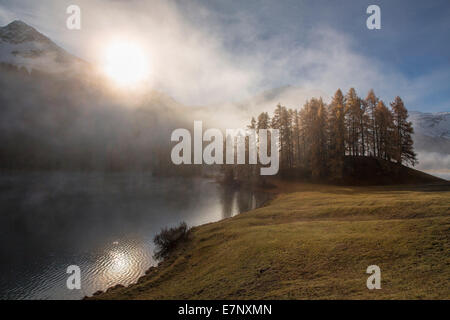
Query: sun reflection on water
[
  {"x": 122, "y": 264},
  {"x": 119, "y": 262}
]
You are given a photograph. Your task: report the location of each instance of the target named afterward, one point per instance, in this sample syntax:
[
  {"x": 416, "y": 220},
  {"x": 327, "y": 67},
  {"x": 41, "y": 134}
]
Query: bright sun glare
[{"x": 126, "y": 64}]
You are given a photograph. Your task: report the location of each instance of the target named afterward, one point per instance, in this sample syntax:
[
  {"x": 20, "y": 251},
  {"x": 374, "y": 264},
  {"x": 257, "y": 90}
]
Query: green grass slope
[{"x": 314, "y": 242}]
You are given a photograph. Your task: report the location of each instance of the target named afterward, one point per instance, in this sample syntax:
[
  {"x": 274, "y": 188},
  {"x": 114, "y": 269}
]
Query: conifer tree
[
  {"x": 371, "y": 103},
  {"x": 363, "y": 121},
  {"x": 252, "y": 124},
  {"x": 286, "y": 133},
  {"x": 263, "y": 121},
  {"x": 353, "y": 109},
  {"x": 281, "y": 120},
  {"x": 385, "y": 126},
  {"x": 296, "y": 138},
  {"x": 317, "y": 138},
  {"x": 306, "y": 127},
  {"x": 321, "y": 127},
  {"x": 337, "y": 134},
  {"x": 313, "y": 118},
  {"x": 403, "y": 142}
]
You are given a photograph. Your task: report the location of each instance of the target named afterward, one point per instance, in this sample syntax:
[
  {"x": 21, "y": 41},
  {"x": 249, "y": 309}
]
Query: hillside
[
  {"x": 314, "y": 242},
  {"x": 373, "y": 171}
]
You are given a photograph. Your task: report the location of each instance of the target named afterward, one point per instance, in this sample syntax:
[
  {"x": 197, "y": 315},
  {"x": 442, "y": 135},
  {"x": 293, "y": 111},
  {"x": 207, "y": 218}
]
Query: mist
[
  {"x": 87, "y": 177},
  {"x": 434, "y": 163},
  {"x": 218, "y": 67},
  {"x": 200, "y": 61},
  {"x": 70, "y": 123}
]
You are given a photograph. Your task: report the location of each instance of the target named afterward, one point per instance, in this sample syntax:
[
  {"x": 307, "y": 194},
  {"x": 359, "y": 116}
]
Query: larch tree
[
  {"x": 363, "y": 121},
  {"x": 306, "y": 116},
  {"x": 322, "y": 137},
  {"x": 314, "y": 126},
  {"x": 337, "y": 134},
  {"x": 316, "y": 139},
  {"x": 403, "y": 130},
  {"x": 385, "y": 132},
  {"x": 371, "y": 103},
  {"x": 296, "y": 138},
  {"x": 353, "y": 110},
  {"x": 281, "y": 120},
  {"x": 286, "y": 121},
  {"x": 263, "y": 121}
]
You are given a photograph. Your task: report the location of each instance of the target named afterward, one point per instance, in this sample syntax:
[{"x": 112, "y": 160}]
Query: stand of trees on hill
[
  {"x": 316, "y": 140},
  {"x": 63, "y": 123}
]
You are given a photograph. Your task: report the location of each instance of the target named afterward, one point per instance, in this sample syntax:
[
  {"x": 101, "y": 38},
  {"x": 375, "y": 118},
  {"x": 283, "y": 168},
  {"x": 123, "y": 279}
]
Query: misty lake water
[{"x": 102, "y": 222}]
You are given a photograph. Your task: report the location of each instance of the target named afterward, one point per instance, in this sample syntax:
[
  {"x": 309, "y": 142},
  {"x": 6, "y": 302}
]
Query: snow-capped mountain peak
[
  {"x": 436, "y": 125},
  {"x": 19, "y": 32},
  {"x": 23, "y": 46}
]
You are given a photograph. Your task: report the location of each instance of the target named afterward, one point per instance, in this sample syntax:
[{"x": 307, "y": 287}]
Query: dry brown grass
[{"x": 315, "y": 242}]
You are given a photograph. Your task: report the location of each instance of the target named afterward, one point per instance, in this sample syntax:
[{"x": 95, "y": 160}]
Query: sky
[{"x": 208, "y": 52}]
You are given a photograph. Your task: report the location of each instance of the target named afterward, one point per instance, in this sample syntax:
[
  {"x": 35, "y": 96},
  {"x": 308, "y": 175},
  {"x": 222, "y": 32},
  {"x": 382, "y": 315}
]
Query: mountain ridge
[
  {"x": 18, "y": 32},
  {"x": 431, "y": 124},
  {"x": 22, "y": 45}
]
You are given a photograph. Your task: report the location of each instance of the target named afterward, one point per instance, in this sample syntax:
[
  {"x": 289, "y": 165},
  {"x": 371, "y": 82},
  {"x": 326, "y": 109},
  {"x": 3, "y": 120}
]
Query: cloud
[
  {"x": 437, "y": 164},
  {"x": 433, "y": 161},
  {"x": 5, "y": 16},
  {"x": 202, "y": 56}
]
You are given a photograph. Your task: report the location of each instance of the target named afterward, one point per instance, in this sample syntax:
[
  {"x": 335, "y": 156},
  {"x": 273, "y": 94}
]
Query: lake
[{"x": 102, "y": 222}]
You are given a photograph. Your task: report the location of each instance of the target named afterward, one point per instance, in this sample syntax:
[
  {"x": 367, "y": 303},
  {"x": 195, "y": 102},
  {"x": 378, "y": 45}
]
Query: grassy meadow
[{"x": 314, "y": 242}]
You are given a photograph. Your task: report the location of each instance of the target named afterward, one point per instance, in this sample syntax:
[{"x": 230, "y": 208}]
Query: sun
[{"x": 126, "y": 63}]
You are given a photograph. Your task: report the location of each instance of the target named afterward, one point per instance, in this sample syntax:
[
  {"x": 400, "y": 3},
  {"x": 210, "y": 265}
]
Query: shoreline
[
  {"x": 247, "y": 253},
  {"x": 215, "y": 179}
]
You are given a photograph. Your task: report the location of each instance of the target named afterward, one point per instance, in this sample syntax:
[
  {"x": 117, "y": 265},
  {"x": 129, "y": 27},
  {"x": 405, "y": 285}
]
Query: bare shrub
[{"x": 168, "y": 239}]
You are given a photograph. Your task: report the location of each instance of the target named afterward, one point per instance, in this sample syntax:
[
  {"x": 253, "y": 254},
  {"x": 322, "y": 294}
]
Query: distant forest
[{"x": 318, "y": 139}]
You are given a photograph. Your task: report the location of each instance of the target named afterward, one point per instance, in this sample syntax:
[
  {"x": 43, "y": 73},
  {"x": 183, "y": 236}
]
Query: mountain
[
  {"x": 431, "y": 131},
  {"x": 72, "y": 119},
  {"x": 23, "y": 46},
  {"x": 60, "y": 117},
  {"x": 432, "y": 142},
  {"x": 436, "y": 125}
]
